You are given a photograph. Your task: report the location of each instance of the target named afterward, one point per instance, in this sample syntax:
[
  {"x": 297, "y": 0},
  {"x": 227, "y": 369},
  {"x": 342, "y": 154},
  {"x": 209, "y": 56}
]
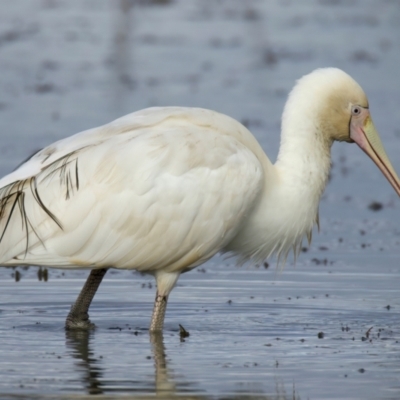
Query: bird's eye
[{"x": 356, "y": 110}]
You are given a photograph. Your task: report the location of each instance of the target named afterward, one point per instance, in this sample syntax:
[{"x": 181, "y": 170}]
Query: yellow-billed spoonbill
[{"x": 164, "y": 189}]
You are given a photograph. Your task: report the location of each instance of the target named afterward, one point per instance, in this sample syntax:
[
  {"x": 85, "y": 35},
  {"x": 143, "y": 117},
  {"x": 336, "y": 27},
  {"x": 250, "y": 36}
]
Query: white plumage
[
  {"x": 164, "y": 189},
  {"x": 158, "y": 189}
]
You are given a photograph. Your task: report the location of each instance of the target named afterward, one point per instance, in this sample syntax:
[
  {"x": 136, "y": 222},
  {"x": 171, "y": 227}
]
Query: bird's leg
[
  {"x": 78, "y": 317},
  {"x": 157, "y": 318},
  {"x": 165, "y": 283}
]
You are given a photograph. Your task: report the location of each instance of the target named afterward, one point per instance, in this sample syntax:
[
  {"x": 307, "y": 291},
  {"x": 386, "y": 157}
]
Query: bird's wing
[
  {"x": 131, "y": 123},
  {"x": 169, "y": 193}
]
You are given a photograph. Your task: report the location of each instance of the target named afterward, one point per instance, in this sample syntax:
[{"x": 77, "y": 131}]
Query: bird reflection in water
[
  {"x": 165, "y": 381},
  {"x": 164, "y": 384},
  {"x": 78, "y": 341},
  {"x": 92, "y": 374}
]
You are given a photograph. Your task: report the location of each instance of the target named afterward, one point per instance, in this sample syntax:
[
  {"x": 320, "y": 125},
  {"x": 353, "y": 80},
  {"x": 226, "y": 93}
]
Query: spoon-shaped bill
[{"x": 364, "y": 133}]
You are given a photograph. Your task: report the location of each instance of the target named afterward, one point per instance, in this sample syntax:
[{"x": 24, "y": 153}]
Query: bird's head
[{"x": 343, "y": 115}]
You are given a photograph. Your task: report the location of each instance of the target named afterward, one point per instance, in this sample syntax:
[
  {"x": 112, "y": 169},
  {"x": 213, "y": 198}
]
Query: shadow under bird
[{"x": 164, "y": 189}]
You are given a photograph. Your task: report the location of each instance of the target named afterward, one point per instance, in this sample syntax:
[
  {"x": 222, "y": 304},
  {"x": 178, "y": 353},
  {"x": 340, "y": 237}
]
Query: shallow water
[
  {"x": 71, "y": 65},
  {"x": 251, "y": 333}
]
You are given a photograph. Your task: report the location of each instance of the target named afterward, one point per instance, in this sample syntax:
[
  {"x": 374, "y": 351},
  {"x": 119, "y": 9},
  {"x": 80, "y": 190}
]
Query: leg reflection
[
  {"x": 79, "y": 342},
  {"x": 164, "y": 384}
]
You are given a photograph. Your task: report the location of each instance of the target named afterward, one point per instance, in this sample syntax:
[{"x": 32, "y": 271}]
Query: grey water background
[{"x": 325, "y": 328}]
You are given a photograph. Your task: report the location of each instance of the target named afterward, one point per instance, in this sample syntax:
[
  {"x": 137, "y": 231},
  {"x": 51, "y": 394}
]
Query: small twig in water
[
  {"x": 368, "y": 331},
  {"x": 183, "y": 333}
]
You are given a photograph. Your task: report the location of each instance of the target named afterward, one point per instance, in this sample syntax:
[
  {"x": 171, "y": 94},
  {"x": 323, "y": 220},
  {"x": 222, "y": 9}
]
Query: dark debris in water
[
  {"x": 318, "y": 261},
  {"x": 375, "y": 206},
  {"x": 345, "y": 329},
  {"x": 43, "y": 274},
  {"x": 115, "y": 328},
  {"x": 16, "y": 275}
]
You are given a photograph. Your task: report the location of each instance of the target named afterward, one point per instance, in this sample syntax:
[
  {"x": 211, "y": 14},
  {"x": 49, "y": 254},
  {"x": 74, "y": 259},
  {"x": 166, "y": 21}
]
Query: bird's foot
[{"x": 79, "y": 321}]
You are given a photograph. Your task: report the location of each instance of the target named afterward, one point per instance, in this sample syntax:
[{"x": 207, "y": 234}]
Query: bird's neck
[
  {"x": 304, "y": 157},
  {"x": 303, "y": 167},
  {"x": 287, "y": 208}
]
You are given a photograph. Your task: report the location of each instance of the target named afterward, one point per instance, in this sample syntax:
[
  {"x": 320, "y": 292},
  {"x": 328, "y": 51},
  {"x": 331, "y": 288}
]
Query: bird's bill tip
[{"x": 364, "y": 133}]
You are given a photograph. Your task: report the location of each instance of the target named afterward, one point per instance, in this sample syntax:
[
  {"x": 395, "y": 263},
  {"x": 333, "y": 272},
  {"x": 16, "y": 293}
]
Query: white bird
[{"x": 162, "y": 190}]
